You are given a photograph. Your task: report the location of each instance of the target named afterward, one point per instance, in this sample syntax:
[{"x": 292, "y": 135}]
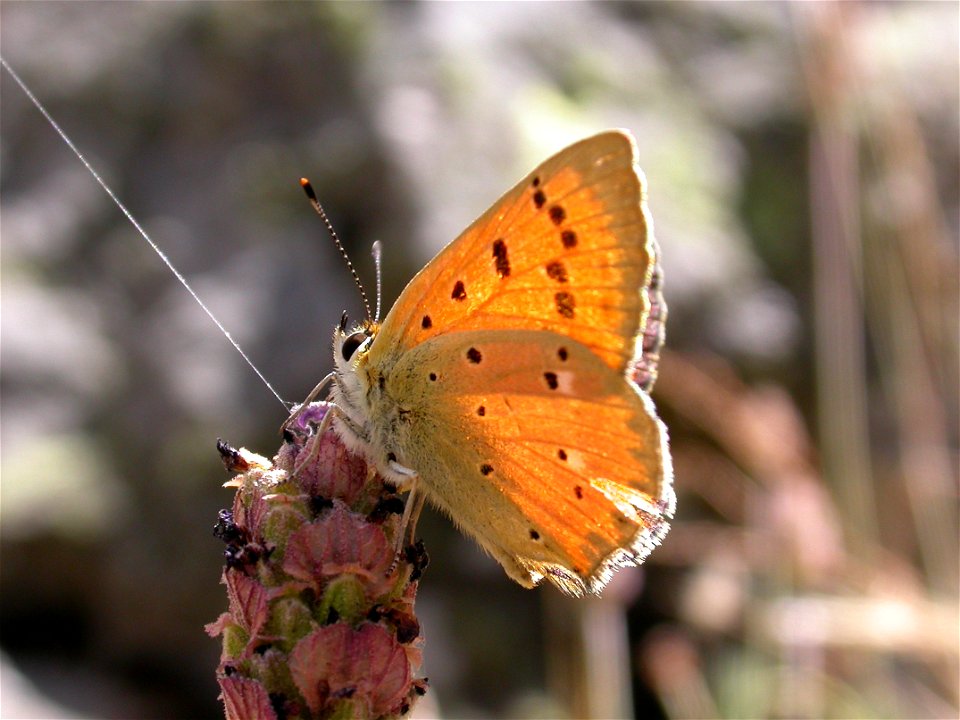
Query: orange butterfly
[{"x": 500, "y": 383}]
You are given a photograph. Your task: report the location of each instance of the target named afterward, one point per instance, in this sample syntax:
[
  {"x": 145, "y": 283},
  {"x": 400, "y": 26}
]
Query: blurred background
[{"x": 803, "y": 171}]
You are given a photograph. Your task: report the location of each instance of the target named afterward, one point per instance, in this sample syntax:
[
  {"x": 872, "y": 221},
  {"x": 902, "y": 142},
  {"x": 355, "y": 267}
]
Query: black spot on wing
[
  {"x": 500, "y": 259},
  {"x": 565, "y": 304},
  {"x": 556, "y": 270}
]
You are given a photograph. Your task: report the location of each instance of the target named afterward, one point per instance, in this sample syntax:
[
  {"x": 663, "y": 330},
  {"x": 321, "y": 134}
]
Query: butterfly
[{"x": 503, "y": 384}]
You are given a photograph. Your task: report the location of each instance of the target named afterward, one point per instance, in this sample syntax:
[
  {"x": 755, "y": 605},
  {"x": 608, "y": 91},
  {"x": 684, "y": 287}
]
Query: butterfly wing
[
  {"x": 551, "y": 459},
  {"x": 568, "y": 249}
]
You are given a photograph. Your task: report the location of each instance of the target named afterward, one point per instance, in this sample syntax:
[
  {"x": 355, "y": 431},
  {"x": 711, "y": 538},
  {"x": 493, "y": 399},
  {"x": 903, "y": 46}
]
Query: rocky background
[{"x": 802, "y": 162}]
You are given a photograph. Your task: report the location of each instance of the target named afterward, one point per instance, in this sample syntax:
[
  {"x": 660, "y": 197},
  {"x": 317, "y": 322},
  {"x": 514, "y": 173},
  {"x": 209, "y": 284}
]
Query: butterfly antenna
[
  {"x": 312, "y": 196},
  {"x": 376, "y": 252}
]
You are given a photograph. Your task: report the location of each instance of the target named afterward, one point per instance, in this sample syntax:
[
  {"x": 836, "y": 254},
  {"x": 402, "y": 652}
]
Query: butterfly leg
[
  {"x": 310, "y": 398},
  {"x": 408, "y": 523},
  {"x": 414, "y": 506}
]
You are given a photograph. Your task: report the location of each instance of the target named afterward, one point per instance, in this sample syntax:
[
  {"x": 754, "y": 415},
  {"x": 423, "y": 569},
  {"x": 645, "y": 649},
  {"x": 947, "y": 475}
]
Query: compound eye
[{"x": 351, "y": 344}]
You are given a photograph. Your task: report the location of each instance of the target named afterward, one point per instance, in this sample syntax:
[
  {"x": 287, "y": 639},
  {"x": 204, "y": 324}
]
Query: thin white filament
[{"x": 143, "y": 233}]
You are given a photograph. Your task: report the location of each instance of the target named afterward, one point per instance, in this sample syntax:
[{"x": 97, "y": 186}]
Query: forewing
[{"x": 568, "y": 250}]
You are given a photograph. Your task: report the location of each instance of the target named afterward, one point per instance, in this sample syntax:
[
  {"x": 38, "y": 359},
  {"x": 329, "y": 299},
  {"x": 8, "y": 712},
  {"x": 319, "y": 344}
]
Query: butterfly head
[
  {"x": 350, "y": 385},
  {"x": 350, "y": 344},
  {"x": 348, "y": 347},
  {"x": 358, "y": 393}
]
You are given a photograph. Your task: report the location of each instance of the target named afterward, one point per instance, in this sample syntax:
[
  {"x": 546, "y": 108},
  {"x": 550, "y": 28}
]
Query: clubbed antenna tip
[{"x": 312, "y": 196}]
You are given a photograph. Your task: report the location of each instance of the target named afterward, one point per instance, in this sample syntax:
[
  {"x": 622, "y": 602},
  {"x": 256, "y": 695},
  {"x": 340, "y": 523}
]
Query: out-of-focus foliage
[{"x": 802, "y": 168}]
